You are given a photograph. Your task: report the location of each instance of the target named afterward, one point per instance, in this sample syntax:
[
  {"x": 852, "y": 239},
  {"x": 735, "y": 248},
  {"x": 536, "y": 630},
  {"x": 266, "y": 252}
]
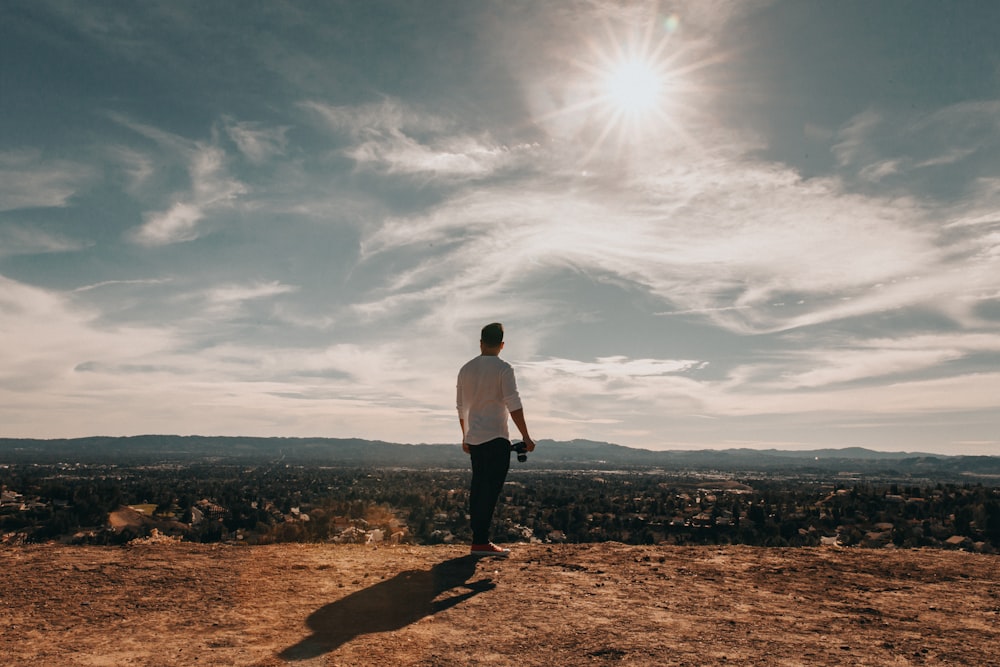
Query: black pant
[{"x": 490, "y": 463}]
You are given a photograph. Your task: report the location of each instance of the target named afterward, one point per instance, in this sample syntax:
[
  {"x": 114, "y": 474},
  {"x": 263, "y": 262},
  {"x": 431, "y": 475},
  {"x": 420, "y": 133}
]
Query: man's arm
[
  {"x": 458, "y": 404},
  {"x": 522, "y": 426}
]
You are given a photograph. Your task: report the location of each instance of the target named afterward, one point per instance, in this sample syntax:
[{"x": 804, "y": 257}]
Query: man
[{"x": 487, "y": 393}]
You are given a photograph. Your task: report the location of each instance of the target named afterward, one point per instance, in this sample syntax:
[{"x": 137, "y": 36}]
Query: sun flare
[
  {"x": 633, "y": 87},
  {"x": 629, "y": 82}
]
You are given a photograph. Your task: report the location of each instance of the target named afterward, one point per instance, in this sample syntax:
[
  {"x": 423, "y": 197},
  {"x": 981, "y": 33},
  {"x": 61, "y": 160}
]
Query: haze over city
[{"x": 703, "y": 224}]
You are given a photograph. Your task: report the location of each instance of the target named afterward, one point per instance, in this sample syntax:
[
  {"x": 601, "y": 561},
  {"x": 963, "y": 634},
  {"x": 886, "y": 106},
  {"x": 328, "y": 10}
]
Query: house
[
  {"x": 340, "y": 524},
  {"x": 875, "y": 540},
  {"x": 210, "y": 510},
  {"x": 352, "y": 535},
  {"x": 197, "y": 516},
  {"x": 958, "y": 542}
]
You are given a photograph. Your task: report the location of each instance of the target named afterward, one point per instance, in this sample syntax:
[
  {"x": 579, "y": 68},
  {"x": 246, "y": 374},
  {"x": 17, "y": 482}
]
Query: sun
[
  {"x": 627, "y": 83},
  {"x": 631, "y": 97},
  {"x": 633, "y": 87}
]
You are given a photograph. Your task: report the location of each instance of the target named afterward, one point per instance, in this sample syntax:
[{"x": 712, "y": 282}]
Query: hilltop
[
  {"x": 556, "y": 455},
  {"x": 161, "y": 602}
]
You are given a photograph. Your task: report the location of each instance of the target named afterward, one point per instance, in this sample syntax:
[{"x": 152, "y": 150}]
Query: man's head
[{"x": 491, "y": 338}]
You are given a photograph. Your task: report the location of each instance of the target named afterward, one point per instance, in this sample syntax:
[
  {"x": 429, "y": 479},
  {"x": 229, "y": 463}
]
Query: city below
[{"x": 267, "y": 490}]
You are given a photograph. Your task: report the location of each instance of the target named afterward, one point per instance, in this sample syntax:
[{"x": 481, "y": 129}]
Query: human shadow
[{"x": 388, "y": 605}]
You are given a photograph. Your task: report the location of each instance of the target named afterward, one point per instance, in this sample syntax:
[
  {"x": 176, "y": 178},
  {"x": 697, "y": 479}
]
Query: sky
[{"x": 704, "y": 224}]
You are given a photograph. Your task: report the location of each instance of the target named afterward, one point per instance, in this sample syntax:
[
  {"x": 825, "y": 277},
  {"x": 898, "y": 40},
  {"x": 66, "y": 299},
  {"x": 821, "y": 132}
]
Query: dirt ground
[{"x": 604, "y": 604}]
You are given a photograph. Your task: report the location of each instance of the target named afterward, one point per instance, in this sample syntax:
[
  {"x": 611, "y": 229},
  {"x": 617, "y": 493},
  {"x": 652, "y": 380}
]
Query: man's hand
[
  {"x": 518, "y": 417},
  {"x": 465, "y": 447}
]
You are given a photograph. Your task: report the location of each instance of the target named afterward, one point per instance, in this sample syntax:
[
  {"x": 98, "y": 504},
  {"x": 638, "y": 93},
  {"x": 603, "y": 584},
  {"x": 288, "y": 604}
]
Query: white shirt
[{"x": 487, "y": 391}]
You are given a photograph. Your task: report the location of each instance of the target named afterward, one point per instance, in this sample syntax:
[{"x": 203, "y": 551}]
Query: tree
[{"x": 991, "y": 526}]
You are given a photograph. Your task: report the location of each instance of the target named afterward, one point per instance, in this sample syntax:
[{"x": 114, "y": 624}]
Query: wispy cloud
[
  {"x": 238, "y": 293},
  {"x": 47, "y": 335},
  {"x": 615, "y": 367},
  {"x": 136, "y": 167},
  {"x": 876, "y": 145},
  {"x": 212, "y": 190},
  {"x": 177, "y": 224},
  {"x": 229, "y": 299},
  {"x": 109, "y": 283},
  {"x": 392, "y": 138},
  {"x": 20, "y": 239},
  {"x": 257, "y": 142},
  {"x": 709, "y": 247},
  {"x": 914, "y": 398},
  {"x": 868, "y": 361},
  {"x": 30, "y": 180}
]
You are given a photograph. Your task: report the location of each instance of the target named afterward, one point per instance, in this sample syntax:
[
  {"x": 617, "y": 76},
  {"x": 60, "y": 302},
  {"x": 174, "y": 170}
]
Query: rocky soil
[{"x": 169, "y": 603}]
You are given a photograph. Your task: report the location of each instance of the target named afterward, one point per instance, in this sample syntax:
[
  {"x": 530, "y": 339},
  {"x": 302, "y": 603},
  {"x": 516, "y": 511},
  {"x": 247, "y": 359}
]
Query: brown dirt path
[{"x": 606, "y": 604}]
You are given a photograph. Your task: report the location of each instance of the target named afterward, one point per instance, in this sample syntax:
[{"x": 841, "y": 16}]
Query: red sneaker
[{"x": 489, "y": 549}]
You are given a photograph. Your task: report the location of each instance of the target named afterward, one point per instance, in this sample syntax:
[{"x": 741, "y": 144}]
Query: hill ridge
[{"x": 572, "y": 454}]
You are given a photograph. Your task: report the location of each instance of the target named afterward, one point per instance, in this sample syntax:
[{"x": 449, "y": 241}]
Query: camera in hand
[{"x": 521, "y": 449}]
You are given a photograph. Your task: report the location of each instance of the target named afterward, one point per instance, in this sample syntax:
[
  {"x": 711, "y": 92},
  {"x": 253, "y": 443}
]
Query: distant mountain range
[{"x": 571, "y": 455}]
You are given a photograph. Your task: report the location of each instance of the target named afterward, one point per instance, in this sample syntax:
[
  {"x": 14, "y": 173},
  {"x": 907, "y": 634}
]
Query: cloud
[
  {"x": 239, "y": 293},
  {"x": 615, "y": 367},
  {"x": 628, "y": 395},
  {"x": 400, "y": 154},
  {"x": 853, "y": 140},
  {"x": 56, "y": 357},
  {"x": 30, "y": 180},
  {"x": 391, "y": 138},
  {"x": 907, "y": 148},
  {"x": 962, "y": 393},
  {"x": 28, "y": 240},
  {"x": 212, "y": 190},
  {"x": 990, "y": 218},
  {"x": 729, "y": 241},
  {"x": 46, "y": 335},
  {"x": 137, "y": 167},
  {"x": 257, "y": 142},
  {"x": 866, "y": 361},
  {"x": 177, "y": 224},
  {"x": 385, "y": 118},
  {"x": 108, "y": 283},
  {"x": 869, "y": 365},
  {"x": 647, "y": 405},
  {"x": 226, "y": 300},
  {"x": 579, "y": 392}
]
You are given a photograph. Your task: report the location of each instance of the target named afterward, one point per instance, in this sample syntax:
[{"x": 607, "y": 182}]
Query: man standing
[{"x": 487, "y": 393}]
